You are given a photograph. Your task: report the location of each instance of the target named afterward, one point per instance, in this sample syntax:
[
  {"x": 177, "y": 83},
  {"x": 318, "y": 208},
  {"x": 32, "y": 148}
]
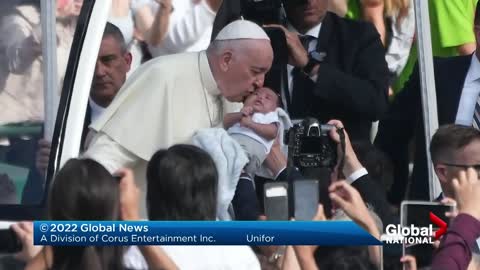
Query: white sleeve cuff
[{"x": 356, "y": 174}]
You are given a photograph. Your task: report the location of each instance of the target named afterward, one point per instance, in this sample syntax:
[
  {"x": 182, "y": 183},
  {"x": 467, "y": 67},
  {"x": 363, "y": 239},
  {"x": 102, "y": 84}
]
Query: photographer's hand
[
  {"x": 352, "y": 164},
  {"x": 298, "y": 56}
]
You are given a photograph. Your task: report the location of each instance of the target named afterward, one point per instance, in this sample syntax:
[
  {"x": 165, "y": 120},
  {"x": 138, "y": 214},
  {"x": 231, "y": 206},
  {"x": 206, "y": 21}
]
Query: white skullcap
[{"x": 242, "y": 29}]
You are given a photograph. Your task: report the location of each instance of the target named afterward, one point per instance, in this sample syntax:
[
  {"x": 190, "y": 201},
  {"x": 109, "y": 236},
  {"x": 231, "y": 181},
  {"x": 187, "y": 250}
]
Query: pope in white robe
[{"x": 170, "y": 97}]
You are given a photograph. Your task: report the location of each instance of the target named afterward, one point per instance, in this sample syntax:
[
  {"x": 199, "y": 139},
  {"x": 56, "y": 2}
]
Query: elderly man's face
[
  {"x": 246, "y": 71},
  {"x": 307, "y": 15},
  {"x": 110, "y": 71}
]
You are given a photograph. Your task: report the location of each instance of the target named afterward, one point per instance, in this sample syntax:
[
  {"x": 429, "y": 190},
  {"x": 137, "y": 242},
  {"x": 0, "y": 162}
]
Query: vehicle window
[{"x": 22, "y": 174}]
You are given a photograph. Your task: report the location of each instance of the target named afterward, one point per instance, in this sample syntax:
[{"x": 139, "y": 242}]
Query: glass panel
[{"x": 21, "y": 94}]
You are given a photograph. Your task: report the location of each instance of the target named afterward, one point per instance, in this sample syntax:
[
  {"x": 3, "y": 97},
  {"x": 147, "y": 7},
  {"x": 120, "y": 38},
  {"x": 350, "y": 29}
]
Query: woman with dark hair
[
  {"x": 84, "y": 190},
  {"x": 182, "y": 185}
]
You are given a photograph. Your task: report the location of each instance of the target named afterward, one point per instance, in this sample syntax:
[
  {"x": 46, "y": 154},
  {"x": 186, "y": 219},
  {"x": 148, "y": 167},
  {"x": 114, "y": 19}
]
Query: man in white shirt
[
  {"x": 457, "y": 83},
  {"x": 113, "y": 63},
  {"x": 189, "y": 26},
  {"x": 169, "y": 98}
]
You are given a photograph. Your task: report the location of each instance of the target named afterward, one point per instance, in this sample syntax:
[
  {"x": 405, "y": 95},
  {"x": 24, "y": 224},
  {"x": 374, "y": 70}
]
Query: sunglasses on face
[{"x": 476, "y": 167}]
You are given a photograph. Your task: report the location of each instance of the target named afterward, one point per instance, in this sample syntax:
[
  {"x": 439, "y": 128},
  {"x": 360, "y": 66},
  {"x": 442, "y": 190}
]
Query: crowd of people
[{"x": 185, "y": 107}]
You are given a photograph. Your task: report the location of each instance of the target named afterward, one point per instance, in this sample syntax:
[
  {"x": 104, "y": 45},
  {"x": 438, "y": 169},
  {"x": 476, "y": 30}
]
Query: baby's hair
[{"x": 279, "y": 97}]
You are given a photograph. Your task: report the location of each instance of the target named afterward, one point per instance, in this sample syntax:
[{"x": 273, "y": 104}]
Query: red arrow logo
[{"x": 440, "y": 223}]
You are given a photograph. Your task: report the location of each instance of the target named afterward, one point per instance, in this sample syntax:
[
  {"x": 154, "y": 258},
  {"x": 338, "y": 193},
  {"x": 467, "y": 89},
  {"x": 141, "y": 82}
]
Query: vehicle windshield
[{"x": 22, "y": 98}]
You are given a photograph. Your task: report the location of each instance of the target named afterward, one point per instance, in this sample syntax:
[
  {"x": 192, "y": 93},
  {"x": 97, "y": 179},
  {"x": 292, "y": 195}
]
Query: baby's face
[{"x": 264, "y": 100}]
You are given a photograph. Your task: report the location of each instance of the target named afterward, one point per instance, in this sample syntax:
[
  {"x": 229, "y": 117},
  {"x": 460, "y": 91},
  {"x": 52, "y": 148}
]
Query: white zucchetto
[{"x": 242, "y": 29}]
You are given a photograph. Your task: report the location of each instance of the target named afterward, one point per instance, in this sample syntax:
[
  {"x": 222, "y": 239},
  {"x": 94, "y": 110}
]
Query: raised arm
[
  {"x": 349, "y": 199},
  {"x": 185, "y": 28},
  {"x": 161, "y": 22}
]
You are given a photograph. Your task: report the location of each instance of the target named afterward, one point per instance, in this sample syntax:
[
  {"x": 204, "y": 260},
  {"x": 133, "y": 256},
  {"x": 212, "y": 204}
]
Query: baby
[{"x": 255, "y": 127}]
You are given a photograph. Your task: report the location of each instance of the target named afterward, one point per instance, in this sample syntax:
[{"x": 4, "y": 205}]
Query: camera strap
[{"x": 341, "y": 133}]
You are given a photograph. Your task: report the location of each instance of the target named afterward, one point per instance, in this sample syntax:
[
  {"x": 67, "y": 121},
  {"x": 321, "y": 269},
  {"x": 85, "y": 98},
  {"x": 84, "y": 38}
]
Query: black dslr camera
[
  {"x": 314, "y": 153},
  {"x": 310, "y": 145},
  {"x": 268, "y": 11}
]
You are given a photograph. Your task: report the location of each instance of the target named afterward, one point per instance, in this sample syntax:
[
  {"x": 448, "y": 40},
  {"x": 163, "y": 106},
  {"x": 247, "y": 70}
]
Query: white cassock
[{"x": 163, "y": 103}]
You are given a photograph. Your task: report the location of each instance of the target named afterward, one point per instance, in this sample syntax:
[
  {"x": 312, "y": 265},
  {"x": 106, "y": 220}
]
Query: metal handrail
[
  {"x": 427, "y": 82},
  {"x": 49, "y": 52}
]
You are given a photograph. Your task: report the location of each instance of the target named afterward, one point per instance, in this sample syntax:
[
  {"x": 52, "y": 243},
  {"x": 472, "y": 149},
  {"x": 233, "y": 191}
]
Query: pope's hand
[
  {"x": 247, "y": 110},
  {"x": 246, "y": 121}
]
